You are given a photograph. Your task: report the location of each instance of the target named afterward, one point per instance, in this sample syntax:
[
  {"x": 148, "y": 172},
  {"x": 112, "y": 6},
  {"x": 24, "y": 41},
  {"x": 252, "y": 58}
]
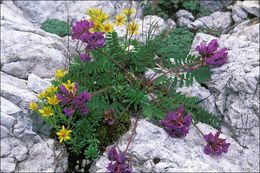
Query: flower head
[
  {"x": 84, "y": 57},
  {"x": 51, "y": 90},
  {"x": 120, "y": 161},
  {"x": 33, "y": 106},
  {"x": 97, "y": 15},
  {"x": 53, "y": 100},
  {"x": 107, "y": 27},
  {"x": 133, "y": 28},
  {"x": 81, "y": 28},
  {"x": 94, "y": 40},
  {"x": 176, "y": 124},
  {"x": 69, "y": 111},
  {"x": 215, "y": 145},
  {"x": 120, "y": 20},
  {"x": 70, "y": 87},
  {"x": 210, "y": 55},
  {"x": 128, "y": 11},
  {"x": 46, "y": 111},
  {"x": 42, "y": 95},
  {"x": 63, "y": 134},
  {"x": 60, "y": 74}
]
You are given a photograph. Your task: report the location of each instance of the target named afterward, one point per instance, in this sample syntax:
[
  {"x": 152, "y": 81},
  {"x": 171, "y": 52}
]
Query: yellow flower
[
  {"x": 33, "y": 106},
  {"x": 97, "y": 15},
  {"x": 133, "y": 28},
  {"x": 60, "y": 74},
  {"x": 53, "y": 100},
  {"x": 42, "y": 95},
  {"x": 46, "y": 111},
  {"x": 51, "y": 89},
  {"x": 129, "y": 11},
  {"x": 63, "y": 134},
  {"x": 107, "y": 27},
  {"x": 120, "y": 20},
  {"x": 69, "y": 86}
]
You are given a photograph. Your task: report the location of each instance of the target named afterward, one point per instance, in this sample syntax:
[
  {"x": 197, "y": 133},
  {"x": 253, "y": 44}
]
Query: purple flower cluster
[
  {"x": 176, "y": 124},
  {"x": 210, "y": 55},
  {"x": 71, "y": 102},
  {"x": 81, "y": 31},
  {"x": 215, "y": 145},
  {"x": 120, "y": 164}
]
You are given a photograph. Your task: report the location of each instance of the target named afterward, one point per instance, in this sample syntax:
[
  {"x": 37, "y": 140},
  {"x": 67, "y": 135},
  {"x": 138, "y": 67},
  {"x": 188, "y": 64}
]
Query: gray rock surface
[
  {"x": 185, "y": 18},
  {"x": 216, "y": 21},
  {"x": 238, "y": 13},
  {"x": 252, "y": 7},
  {"x": 37, "y": 84},
  {"x": 215, "y": 5},
  {"x": 185, "y": 14},
  {"x": 177, "y": 155}
]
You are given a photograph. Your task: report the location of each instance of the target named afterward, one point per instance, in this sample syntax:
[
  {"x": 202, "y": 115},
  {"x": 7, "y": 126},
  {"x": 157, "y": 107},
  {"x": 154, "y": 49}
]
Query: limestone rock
[
  {"x": 216, "y": 21},
  {"x": 185, "y": 14},
  {"x": 238, "y": 13},
  {"x": 215, "y": 5},
  {"x": 251, "y": 7},
  {"x": 37, "y": 84},
  {"x": 175, "y": 155}
]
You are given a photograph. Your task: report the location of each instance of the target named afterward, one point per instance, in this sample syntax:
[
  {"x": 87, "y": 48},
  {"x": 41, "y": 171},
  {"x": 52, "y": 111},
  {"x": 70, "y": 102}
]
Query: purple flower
[
  {"x": 85, "y": 96},
  {"x": 80, "y": 29},
  {"x": 217, "y": 59},
  {"x": 85, "y": 57},
  {"x": 175, "y": 124},
  {"x": 94, "y": 40},
  {"x": 120, "y": 164},
  {"x": 210, "y": 55},
  {"x": 69, "y": 111},
  {"x": 215, "y": 145}
]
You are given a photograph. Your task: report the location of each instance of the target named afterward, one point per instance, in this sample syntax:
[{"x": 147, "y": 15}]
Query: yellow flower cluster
[
  {"x": 101, "y": 23},
  {"x": 48, "y": 96}
]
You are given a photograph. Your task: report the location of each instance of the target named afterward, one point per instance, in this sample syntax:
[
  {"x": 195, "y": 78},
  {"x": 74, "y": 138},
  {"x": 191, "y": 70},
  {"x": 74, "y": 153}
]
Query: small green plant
[{"x": 56, "y": 26}]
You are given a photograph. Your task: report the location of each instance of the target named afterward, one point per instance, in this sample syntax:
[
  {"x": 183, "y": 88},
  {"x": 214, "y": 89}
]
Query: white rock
[
  {"x": 7, "y": 120},
  {"x": 5, "y": 147},
  {"x": 238, "y": 13},
  {"x": 175, "y": 154},
  {"x": 8, "y": 107},
  {"x": 20, "y": 152},
  {"x": 37, "y": 84},
  {"x": 7, "y": 164},
  {"x": 6, "y": 78},
  {"x": 182, "y": 21},
  {"x": 185, "y": 14},
  {"x": 251, "y": 7},
  {"x": 216, "y": 21},
  {"x": 4, "y": 132}
]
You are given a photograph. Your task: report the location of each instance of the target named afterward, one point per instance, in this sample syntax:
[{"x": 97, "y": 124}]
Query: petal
[{"x": 212, "y": 46}]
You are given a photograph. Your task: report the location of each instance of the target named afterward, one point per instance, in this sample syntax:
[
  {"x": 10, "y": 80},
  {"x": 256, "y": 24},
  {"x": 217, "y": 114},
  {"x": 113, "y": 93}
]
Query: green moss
[
  {"x": 57, "y": 27},
  {"x": 108, "y": 134}
]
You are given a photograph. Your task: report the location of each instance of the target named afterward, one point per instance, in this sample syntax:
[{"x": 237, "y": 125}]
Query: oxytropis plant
[{"x": 89, "y": 106}]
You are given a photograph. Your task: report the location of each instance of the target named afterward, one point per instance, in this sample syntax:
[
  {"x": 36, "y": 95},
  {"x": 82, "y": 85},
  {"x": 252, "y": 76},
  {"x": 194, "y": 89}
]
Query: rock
[
  {"x": 21, "y": 97},
  {"x": 9, "y": 79},
  {"x": 238, "y": 13},
  {"x": 235, "y": 86},
  {"x": 5, "y": 147},
  {"x": 185, "y": 14},
  {"x": 4, "y": 132},
  {"x": 6, "y": 120},
  {"x": 247, "y": 31},
  {"x": 182, "y": 22},
  {"x": 8, "y": 107},
  {"x": 175, "y": 155},
  {"x": 37, "y": 84},
  {"x": 7, "y": 164},
  {"x": 214, "y": 5},
  {"x": 216, "y": 21},
  {"x": 251, "y": 7},
  {"x": 20, "y": 152},
  {"x": 170, "y": 24}
]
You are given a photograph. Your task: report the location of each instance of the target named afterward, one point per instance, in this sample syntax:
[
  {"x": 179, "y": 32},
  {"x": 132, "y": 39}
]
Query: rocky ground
[{"x": 29, "y": 57}]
